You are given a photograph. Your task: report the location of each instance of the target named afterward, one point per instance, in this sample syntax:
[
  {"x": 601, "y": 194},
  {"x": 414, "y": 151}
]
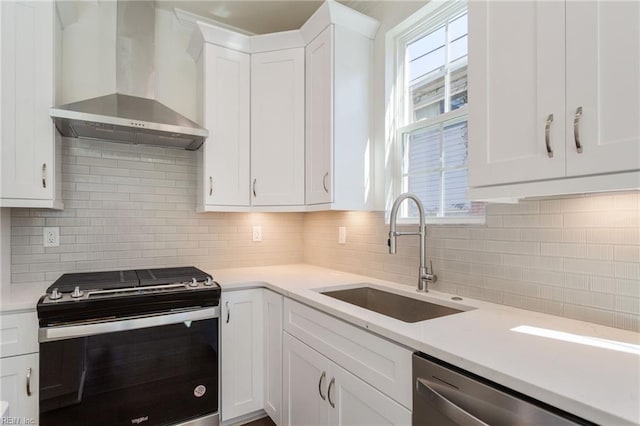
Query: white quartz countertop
[
  {"x": 600, "y": 384},
  {"x": 589, "y": 370}
]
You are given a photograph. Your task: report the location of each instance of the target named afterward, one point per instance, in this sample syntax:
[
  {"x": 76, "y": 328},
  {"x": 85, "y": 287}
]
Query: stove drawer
[{"x": 18, "y": 333}]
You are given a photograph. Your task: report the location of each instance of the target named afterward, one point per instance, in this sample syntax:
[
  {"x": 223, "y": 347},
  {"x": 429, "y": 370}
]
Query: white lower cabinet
[
  {"x": 19, "y": 367},
  {"x": 19, "y": 387},
  {"x": 241, "y": 344},
  {"x": 272, "y": 324},
  {"x": 319, "y": 392}
]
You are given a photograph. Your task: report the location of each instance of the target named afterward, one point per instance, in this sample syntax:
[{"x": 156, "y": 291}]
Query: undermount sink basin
[{"x": 392, "y": 305}]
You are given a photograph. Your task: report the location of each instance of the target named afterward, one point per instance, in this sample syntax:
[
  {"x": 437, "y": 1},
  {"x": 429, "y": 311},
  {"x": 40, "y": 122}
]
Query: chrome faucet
[{"x": 424, "y": 276}]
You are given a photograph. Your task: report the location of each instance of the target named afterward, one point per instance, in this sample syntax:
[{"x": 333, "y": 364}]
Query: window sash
[
  {"x": 450, "y": 118},
  {"x": 404, "y": 123}
]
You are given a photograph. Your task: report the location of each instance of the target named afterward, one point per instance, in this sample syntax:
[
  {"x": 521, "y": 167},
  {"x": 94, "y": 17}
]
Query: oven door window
[{"x": 152, "y": 376}]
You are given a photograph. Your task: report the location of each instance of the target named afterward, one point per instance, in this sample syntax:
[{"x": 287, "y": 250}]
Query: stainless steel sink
[{"x": 390, "y": 304}]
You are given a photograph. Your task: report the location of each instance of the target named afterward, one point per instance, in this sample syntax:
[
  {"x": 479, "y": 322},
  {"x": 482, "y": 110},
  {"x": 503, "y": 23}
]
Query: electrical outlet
[
  {"x": 51, "y": 237},
  {"x": 257, "y": 233},
  {"x": 342, "y": 235}
]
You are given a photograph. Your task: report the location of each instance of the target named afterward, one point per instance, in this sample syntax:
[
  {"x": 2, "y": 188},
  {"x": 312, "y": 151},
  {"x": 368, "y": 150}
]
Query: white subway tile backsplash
[
  {"x": 628, "y": 270},
  {"x": 527, "y": 255},
  {"x": 134, "y": 206},
  {"x": 532, "y": 221}
]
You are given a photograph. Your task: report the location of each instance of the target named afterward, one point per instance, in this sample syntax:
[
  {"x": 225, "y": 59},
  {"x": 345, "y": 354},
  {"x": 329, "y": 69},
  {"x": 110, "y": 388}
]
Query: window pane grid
[
  {"x": 433, "y": 56},
  {"x": 433, "y": 135}
]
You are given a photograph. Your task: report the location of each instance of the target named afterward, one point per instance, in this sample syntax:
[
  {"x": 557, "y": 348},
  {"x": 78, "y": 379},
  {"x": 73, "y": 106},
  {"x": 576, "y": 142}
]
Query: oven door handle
[{"x": 51, "y": 334}]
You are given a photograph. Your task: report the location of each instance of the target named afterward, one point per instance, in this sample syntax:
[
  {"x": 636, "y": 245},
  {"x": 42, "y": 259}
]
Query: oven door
[{"x": 157, "y": 370}]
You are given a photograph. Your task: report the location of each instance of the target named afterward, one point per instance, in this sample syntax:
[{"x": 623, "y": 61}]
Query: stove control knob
[
  {"x": 55, "y": 294},
  {"x": 77, "y": 293},
  {"x": 208, "y": 282},
  {"x": 193, "y": 283}
]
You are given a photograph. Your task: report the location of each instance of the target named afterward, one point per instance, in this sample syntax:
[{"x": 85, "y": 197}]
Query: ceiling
[{"x": 255, "y": 16}]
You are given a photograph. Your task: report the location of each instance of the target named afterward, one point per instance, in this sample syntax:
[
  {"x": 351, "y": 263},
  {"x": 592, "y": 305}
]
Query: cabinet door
[
  {"x": 273, "y": 355},
  {"x": 516, "y": 85},
  {"x": 305, "y": 383},
  {"x": 26, "y": 83},
  {"x": 603, "y": 79},
  {"x": 242, "y": 351},
  {"x": 277, "y": 127},
  {"x": 354, "y": 402},
  {"x": 224, "y": 179},
  {"x": 319, "y": 118},
  {"x": 19, "y": 386}
]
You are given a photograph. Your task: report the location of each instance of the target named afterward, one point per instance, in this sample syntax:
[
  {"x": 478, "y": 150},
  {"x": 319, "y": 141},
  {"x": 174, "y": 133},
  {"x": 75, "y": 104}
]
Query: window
[{"x": 431, "y": 137}]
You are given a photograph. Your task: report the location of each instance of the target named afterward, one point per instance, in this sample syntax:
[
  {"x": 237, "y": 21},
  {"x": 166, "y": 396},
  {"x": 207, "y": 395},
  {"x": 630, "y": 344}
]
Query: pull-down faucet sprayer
[{"x": 424, "y": 276}]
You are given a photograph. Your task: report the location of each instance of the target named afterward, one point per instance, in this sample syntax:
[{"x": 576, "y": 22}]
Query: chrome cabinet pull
[
  {"x": 210, "y": 186},
  {"x": 331, "y": 383},
  {"x": 254, "y": 187},
  {"x": 44, "y": 175},
  {"x": 324, "y": 182},
  {"x": 576, "y": 129},
  {"x": 228, "y": 312},
  {"x": 547, "y": 136},
  {"x": 447, "y": 407},
  {"x": 29, "y": 381},
  {"x": 322, "y": 377}
]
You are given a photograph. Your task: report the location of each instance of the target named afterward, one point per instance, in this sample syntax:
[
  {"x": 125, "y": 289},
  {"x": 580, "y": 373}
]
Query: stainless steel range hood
[
  {"x": 131, "y": 115},
  {"x": 128, "y": 119}
]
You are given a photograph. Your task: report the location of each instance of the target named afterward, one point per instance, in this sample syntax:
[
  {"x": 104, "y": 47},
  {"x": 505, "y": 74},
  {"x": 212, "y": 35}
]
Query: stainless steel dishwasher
[{"x": 445, "y": 395}]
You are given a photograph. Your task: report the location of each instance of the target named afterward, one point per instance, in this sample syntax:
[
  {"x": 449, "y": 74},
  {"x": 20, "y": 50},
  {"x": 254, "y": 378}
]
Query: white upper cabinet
[
  {"x": 554, "y": 97},
  {"x": 339, "y": 162},
  {"x": 603, "y": 81},
  {"x": 301, "y": 139},
  {"x": 516, "y": 78},
  {"x": 319, "y": 125},
  {"x": 223, "y": 174},
  {"x": 277, "y": 127},
  {"x": 29, "y": 161}
]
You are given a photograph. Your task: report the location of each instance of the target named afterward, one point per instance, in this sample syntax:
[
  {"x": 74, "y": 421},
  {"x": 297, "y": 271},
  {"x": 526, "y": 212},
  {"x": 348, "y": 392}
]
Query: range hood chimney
[{"x": 131, "y": 115}]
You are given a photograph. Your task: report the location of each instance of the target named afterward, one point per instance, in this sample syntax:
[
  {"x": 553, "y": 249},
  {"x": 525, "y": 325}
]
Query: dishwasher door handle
[{"x": 445, "y": 406}]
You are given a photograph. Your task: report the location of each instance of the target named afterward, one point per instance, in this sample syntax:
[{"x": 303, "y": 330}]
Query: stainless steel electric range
[{"x": 130, "y": 347}]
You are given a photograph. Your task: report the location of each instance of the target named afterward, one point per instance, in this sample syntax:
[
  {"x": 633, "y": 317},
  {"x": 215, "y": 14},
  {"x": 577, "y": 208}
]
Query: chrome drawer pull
[
  {"x": 324, "y": 182},
  {"x": 322, "y": 377},
  {"x": 228, "y": 312},
  {"x": 29, "y": 381},
  {"x": 576, "y": 129},
  {"x": 44, "y": 175},
  {"x": 547, "y": 131},
  {"x": 254, "y": 187},
  {"x": 331, "y": 383},
  {"x": 210, "y": 186}
]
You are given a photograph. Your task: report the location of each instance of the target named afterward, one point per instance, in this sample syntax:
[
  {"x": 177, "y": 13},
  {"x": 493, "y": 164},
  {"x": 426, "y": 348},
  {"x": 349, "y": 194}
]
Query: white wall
[{"x": 390, "y": 14}]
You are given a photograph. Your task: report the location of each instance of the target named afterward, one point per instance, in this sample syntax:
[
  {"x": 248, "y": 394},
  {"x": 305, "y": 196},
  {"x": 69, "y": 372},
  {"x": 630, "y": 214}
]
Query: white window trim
[{"x": 394, "y": 57}]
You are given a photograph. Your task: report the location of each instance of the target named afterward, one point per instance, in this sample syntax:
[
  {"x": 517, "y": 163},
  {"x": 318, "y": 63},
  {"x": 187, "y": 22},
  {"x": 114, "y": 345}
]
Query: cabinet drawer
[
  {"x": 382, "y": 364},
  {"x": 18, "y": 334}
]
